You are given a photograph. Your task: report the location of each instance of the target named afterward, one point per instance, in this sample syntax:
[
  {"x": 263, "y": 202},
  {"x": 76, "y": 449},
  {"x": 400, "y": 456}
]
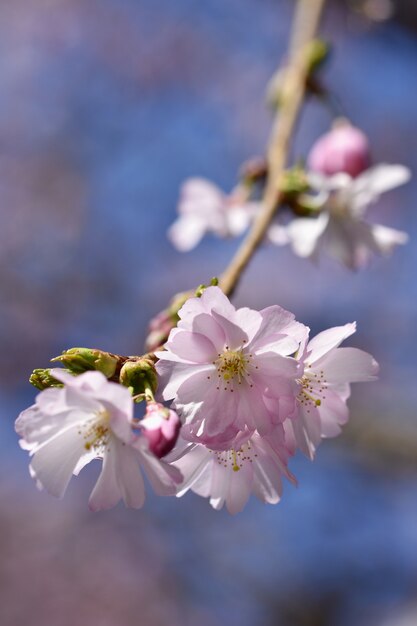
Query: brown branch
[{"x": 292, "y": 94}]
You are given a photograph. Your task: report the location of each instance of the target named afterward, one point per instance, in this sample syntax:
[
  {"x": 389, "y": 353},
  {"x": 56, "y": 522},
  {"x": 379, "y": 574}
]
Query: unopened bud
[
  {"x": 343, "y": 149},
  {"x": 42, "y": 379},
  {"x": 161, "y": 427},
  {"x": 318, "y": 52},
  {"x": 161, "y": 325},
  {"x": 294, "y": 181},
  {"x": 79, "y": 360},
  {"x": 139, "y": 375},
  {"x": 201, "y": 288},
  {"x": 254, "y": 171}
]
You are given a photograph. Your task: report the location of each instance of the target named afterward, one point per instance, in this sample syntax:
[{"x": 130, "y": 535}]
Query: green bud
[
  {"x": 42, "y": 379},
  {"x": 294, "y": 181},
  {"x": 201, "y": 288},
  {"x": 79, "y": 360},
  {"x": 139, "y": 375},
  {"x": 318, "y": 52}
]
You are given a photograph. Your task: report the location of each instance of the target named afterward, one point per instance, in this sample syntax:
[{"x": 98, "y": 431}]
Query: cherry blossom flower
[
  {"x": 322, "y": 401},
  {"x": 229, "y": 369},
  {"x": 340, "y": 229},
  {"x": 91, "y": 418},
  {"x": 204, "y": 208},
  {"x": 343, "y": 149},
  {"x": 161, "y": 427},
  {"x": 253, "y": 464}
]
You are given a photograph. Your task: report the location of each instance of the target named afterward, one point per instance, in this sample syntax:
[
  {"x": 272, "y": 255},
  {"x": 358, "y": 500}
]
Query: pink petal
[
  {"x": 240, "y": 488},
  {"x": 333, "y": 413},
  {"x": 174, "y": 375},
  {"x": 213, "y": 299},
  {"x": 192, "y": 346},
  {"x": 348, "y": 365},
  {"x": 235, "y": 336},
  {"x": 206, "y": 325},
  {"x": 327, "y": 340},
  {"x": 275, "y": 320}
]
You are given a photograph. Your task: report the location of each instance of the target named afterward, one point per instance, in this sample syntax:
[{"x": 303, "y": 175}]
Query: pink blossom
[
  {"x": 204, "y": 208},
  {"x": 343, "y": 149},
  {"x": 161, "y": 427},
  {"x": 229, "y": 369},
  {"x": 340, "y": 229},
  {"x": 253, "y": 464},
  {"x": 91, "y": 418},
  {"x": 325, "y": 387}
]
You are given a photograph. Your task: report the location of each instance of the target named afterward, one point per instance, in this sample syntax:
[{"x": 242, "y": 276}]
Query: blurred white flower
[
  {"x": 205, "y": 208},
  {"x": 340, "y": 229}
]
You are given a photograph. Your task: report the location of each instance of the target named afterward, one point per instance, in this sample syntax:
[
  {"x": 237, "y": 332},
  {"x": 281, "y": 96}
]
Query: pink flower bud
[
  {"x": 161, "y": 427},
  {"x": 343, "y": 149}
]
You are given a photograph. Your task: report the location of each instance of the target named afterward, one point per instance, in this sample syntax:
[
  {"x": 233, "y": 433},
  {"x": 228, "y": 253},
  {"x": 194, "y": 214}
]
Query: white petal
[
  {"x": 386, "y": 239},
  {"x": 327, "y": 340},
  {"x": 377, "y": 180},
  {"x": 54, "y": 462},
  {"x": 120, "y": 478},
  {"x": 348, "y": 365},
  {"x": 305, "y": 233},
  {"x": 186, "y": 232},
  {"x": 163, "y": 477},
  {"x": 278, "y": 235}
]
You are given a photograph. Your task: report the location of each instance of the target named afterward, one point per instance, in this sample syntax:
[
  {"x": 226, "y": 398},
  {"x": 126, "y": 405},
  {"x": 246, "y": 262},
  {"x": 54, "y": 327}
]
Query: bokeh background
[{"x": 106, "y": 106}]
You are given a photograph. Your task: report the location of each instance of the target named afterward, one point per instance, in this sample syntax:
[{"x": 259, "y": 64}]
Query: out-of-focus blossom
[
  {"x": 322, "y": 402},
  {"x": 253, "y": 464},
  {"x": 229, "y": 369},
  {"x": 159, "y": 328},
  {"x": 161, "y": 427},
  {"x": 343, "y": 149},
  {"x": 91, "y": 418},
  {"x": 204, "y": 208},
  {"x": 340, "y": 229}
]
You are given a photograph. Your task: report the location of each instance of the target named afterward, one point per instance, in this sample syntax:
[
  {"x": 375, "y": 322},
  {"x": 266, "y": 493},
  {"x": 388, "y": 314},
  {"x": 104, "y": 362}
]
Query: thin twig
[{"x": 306, "y": 23}]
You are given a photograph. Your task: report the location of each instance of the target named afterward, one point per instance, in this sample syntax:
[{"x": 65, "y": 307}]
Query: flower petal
[
  {"x": 192, "y": 347},
  {"x": 54, "y": 462},
  {"x": 120, "y": 478},
  {"x": 348, "y": 365},
  {"x": 329, "y": 339}
]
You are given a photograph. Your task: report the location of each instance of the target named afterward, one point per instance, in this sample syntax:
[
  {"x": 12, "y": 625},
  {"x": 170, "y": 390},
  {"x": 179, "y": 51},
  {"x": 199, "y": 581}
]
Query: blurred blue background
[{"x": 106, "y": 106}]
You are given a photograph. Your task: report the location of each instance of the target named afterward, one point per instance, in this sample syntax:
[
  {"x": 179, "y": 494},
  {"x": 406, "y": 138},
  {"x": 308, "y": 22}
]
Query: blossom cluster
[
  {"x": 245, "y": 389},
  {"x": 329, "y": 217}
]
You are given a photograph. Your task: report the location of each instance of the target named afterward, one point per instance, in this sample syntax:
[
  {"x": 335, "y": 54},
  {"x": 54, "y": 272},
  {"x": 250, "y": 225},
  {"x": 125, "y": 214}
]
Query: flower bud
[
  {"x": 42, "y": 379},
  {"x": 161, "y": 427},
  {"x": 139, "y": 375},
  {"x": 161, "y": 325},
  {"x": 79, "y": 360},
  {"x": 343, "y": 149}
]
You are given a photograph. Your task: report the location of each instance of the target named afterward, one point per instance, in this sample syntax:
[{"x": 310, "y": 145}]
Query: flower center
[
  {"x": 234, "y": 459},
  {"x": 232, "y": 365},
  {"x": 96, "y": 434},
  {"x": 313, "y": 388}
]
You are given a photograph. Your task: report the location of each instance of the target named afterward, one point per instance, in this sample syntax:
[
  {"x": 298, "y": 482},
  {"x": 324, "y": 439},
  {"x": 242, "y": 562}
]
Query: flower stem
[{"x": 305, "y": 26}]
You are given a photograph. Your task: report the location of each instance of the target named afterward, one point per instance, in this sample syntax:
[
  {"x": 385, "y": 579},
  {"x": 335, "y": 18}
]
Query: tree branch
[{"x": 305, "y": 26}]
